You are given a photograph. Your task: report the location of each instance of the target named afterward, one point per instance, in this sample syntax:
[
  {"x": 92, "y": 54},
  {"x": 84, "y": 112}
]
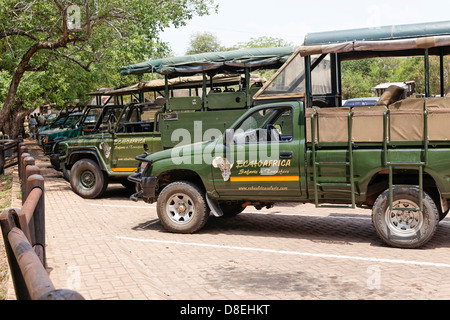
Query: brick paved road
[{"x": 112, "y": 248}]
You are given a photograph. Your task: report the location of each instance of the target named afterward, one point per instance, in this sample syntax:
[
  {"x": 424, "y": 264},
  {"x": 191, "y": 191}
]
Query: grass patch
[
  {"x": 4, "y": 271},
  {"x": 5, "y": 191},
  {"x": 5, "y": 203}
]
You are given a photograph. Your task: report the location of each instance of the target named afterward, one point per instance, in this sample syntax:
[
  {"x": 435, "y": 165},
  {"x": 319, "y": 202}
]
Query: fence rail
[{"x": 23, "y": 233}]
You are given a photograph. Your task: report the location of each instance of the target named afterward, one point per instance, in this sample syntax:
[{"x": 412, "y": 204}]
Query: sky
[{"x": 240, "y": 20}]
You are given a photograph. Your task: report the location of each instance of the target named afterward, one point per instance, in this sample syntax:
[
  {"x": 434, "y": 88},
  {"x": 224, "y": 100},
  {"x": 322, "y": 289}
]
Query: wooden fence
[
  {"x": 23, "y": 233},
  {"x": 9, "y": 153}
]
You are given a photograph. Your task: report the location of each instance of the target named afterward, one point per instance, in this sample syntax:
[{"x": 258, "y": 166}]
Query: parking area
[{"x": 112, "y": 248}]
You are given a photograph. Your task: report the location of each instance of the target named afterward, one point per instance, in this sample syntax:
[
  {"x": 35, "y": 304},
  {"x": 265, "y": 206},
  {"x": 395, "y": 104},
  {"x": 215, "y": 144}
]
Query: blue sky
[{"x": 240, "y": 20}]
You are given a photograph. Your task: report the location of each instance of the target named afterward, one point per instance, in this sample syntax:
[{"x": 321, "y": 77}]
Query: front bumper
[
  {"x": 56, "y": 161},
  {"x": 147, "y": 187},
  {"x": 48, "y": 148}
]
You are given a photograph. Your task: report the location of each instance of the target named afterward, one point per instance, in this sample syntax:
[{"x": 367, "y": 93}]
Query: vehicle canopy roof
[
  {"x": 215, "y": 62},
  {"x": 389, "y": 41},
  {"x": 380, "y": 41},
  {"x": 176, "y": 83}
]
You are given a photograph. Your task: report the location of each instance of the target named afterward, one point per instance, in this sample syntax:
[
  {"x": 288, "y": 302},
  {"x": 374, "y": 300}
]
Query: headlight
[
  {"x": 142, "y": 167},
  {"x": 143, "y": 163}
]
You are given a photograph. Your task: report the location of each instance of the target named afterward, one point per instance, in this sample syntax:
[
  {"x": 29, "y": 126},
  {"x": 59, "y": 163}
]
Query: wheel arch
[
  {"x": 175, "y": 175},
  {"x": 380, "y": 182},
  {"x": 77, "y": 155}
]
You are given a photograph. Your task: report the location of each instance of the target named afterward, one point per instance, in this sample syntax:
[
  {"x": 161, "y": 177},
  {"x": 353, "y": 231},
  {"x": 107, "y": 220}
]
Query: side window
[
  {"x": 284, "y": 125},
  {"x": 91, "y": 118},
  {"x": 321, "y": 75},
  {"x": 265, "y": 126}
]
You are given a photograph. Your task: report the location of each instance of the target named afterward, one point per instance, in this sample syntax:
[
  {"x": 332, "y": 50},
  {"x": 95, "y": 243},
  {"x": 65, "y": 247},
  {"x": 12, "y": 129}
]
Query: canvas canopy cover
[
  {"x": 178, "y": 83},
  {"x": 214, "y": 62},
  {"x": 387, "y": 39}
]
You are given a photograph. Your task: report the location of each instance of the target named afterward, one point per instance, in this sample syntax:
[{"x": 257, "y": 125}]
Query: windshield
[
  {"x": 290, "y": 80},
  {"x": 71, "y": 120},
  {"x": 59, "y": 122}
]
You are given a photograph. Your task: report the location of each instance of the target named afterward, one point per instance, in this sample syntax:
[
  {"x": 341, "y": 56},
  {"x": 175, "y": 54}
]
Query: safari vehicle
[
  {"x": 160, "y": 122},
  {"x": 85, "y": 125},
  {"x": 59, "y": 118},
  {"x": 216, "y": 100},
  {"x": 299, "y": 144},
  {"x": 59, "y": 153},
  {"x": 68, "y": 123}
]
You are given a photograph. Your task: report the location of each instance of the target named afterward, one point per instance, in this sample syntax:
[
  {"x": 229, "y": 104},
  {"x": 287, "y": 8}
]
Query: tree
[
  {"x": 63, "y": 36},
  {"x": 204, "y": 42},
  {"x": 262, "y": 42}
]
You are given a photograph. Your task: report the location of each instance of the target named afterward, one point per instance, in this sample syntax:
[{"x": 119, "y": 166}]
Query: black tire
[
  {"x": 87, "y": 179},
  {"x": 405, "y": 229},
  {"x": 182, "y": 208},
  {"x": 231, "y": 209},
  {"x": 66, "y": 174},
  {"x": 442, "y": 215}
]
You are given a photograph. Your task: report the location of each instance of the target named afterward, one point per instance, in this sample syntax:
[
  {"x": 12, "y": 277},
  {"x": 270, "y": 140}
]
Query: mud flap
[{"x": 215, "y": 209}]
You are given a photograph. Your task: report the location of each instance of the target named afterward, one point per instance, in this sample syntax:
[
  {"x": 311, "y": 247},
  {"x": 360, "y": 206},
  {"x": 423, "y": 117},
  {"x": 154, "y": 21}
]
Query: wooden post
[
  {"x": 21, "y": 149},
  {"x": 37, "y": 281},
  {"x": 37, "y": 222},
  {"x": 20, "y": 287},
  {"x": 21, "y": 165},
  {"x": 28, "y": 170},
  {"x": 27, "y": 161}
]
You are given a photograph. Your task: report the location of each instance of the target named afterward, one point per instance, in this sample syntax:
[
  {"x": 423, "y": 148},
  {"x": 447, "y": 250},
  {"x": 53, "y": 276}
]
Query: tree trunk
[
  {"x": 13, "y": 124},
  {"x": 24, "y": 66},
  {"x": 7, "y": 110}
]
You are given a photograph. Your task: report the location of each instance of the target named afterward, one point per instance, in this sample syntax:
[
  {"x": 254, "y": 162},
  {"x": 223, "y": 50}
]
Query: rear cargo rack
[{"x": 389, "y": 162}]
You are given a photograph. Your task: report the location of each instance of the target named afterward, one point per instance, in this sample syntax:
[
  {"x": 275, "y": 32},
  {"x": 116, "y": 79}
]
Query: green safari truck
[
  {"x": 85, "y": 125},
  {"x": 200, "y": 95},
  {"x": 298, "y": 144}
]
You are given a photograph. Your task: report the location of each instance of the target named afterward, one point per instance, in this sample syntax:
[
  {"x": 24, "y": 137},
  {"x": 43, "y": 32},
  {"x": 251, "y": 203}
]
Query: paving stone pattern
[{"x": 115, "y": 249}]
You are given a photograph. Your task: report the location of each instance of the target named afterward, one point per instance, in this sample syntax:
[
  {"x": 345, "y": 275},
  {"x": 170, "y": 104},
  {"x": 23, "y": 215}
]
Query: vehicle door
[
  {"x": 261, "y": 156},
  {"x": 132, "y": 137}
]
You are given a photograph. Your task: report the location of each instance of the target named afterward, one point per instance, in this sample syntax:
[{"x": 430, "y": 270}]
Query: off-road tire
[
  {"x": 87, "y": 179},
  {"x": 182, "y": 208},
  {"x": 405, "y": 229},
  {"x": 66, "y": 174}
]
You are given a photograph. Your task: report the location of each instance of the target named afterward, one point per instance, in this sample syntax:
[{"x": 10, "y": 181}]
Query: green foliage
[
  {"x": 204, "y": 42},
  {"x": 360, "y": 76},
  {"x": 111, "y": 34},
  {"x": 261, "y": 42}
]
